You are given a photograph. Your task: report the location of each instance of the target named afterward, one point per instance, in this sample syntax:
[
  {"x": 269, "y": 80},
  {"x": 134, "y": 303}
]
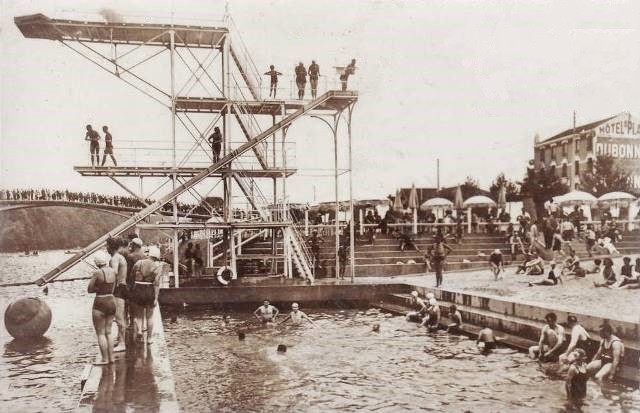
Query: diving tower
[{"x": 205, "y": 77}]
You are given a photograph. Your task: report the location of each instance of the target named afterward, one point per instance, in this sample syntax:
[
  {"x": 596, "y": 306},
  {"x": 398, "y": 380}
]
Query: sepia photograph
[{"x": 319, "y": 206}]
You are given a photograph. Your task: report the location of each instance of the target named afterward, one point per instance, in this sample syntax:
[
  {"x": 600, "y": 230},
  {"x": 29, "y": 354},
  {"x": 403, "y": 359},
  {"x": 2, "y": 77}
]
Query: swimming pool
[{"x": 343, "y": 365}]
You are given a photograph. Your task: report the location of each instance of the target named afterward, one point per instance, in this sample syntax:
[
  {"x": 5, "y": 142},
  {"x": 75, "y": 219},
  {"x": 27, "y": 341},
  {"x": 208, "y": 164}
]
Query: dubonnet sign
[{"x": 620, "y": 139}]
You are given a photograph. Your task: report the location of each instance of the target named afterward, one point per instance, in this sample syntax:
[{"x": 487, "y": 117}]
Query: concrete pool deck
[{"x": 140, "y": 380}]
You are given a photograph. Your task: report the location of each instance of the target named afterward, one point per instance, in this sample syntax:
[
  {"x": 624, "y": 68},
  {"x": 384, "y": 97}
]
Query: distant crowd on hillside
[{"x": 91, "y": 198}]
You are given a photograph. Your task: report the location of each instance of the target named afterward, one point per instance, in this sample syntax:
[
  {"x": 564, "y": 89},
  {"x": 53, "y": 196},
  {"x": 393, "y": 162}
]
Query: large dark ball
[{"x": 28, "y": 317}]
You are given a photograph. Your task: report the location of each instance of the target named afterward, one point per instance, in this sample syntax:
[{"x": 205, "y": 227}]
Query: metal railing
[
  {"x": 287, "y": 89},
  {"x": 242, "y": 57}
]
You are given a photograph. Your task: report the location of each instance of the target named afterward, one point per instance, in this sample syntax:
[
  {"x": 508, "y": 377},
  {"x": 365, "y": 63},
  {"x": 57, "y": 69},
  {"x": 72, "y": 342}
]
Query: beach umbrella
[
  {"x": 479, "y": 201},
  {"x": 413, "y": 198},
  {"x": 575, "y": 198},
  {"x": 457, "y": 201},
  {"x": 436, "y": 203},
  {"x": 620, "y": 199},
  {"x": 397, "y": 202},
  {"x": 502, "y": 197}
]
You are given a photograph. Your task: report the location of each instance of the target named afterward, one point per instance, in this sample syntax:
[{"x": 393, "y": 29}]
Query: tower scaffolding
[{"x": 200, "y": 90}]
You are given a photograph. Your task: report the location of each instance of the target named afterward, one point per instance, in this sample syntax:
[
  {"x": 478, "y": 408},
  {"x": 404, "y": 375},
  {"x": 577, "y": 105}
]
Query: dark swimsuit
[
  {"x": 104, "y": 301},
  {"x": 579, "y": 385}
]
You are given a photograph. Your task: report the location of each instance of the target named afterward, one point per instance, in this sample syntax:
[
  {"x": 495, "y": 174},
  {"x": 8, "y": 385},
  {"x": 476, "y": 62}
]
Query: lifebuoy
[{"x": 225, "y": 275}]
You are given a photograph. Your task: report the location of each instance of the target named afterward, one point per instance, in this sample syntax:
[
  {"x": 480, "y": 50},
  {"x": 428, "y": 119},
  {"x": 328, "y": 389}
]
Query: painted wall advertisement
[{"x": 620, "y": 139}]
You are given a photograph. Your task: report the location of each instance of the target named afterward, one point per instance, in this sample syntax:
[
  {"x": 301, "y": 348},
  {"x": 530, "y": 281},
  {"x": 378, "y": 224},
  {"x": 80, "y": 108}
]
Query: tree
[
  {"x": 541, "y": 186},
  {"x": 606, "y": 177},
  {"x": 470, "y": 187},
  {"x": 513, "y": 188}
]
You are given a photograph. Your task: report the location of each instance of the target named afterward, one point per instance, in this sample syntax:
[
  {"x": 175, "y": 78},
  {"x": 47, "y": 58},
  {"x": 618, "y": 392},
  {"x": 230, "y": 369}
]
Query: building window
[
  {"x": 577, "y": 141},
  {"x": 553, "y": 170},
  {"x": 590, "y": 144},
  {"x": 590, "y": 165},
  {"x": 576, "y": 166},
  {"x": 542, "y": 160},
  {"x": 564, "y": 170},
  {"x": 564, "y": 150}
]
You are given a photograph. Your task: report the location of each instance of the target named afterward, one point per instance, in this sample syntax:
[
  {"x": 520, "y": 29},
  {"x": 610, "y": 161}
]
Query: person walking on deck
[
  {"x": 103, "y": 281},
  {"x": 438, "y": 253},
  {"x": 273, "y": 76},
  {"x": 215, "y": 140},
  {"x": 108, "y": 146},
  {"x": 348, "y": 71},
  {"x": 94, "y": 145},
  {"x": 314, "y": 73},
  {"x": 301, "y": 79}
]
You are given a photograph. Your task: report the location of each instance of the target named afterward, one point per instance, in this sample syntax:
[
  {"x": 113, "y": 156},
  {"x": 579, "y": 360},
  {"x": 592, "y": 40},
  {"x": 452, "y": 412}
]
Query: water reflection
[{"x": 129, "y": 384}]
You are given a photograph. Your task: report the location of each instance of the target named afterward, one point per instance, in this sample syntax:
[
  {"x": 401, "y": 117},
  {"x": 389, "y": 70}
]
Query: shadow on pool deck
[{"x": 139, "y": 380}]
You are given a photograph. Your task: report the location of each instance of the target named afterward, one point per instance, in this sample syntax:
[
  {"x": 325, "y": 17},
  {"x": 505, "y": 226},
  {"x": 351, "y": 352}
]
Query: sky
[{"x": 467, "y": 82}]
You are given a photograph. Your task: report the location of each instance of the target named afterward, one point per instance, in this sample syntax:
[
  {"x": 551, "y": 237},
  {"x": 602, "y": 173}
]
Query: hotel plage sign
[{"x": 620, "y": 139}]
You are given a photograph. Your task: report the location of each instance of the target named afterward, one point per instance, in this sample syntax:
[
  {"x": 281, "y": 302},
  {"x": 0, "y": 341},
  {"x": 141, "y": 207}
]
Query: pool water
[
  {"x": 342, "y": 365},
  {"x": 44, "y": 375}
]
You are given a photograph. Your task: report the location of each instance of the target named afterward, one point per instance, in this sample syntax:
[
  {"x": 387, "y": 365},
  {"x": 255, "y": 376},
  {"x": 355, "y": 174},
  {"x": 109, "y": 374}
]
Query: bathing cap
[
  {"x": 414, "y": 293},
  {"x": 430, "y": 296},
  {"x": 101, "y": 258},
  {"x": 433, "y": 301},
  {"x": 154, "y": 252},
  {"x": 497, "y": 251},
  {"x": 294, "y": 306},
  {"x": 137, "y": 241}
]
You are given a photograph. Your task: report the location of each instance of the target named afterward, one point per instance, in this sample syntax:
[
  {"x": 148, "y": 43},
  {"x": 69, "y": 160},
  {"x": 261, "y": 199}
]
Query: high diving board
[
  {"x": 337, "y": 102},
  {"x": 39, "y": 26},
  {"x": 161, "y": 171}
]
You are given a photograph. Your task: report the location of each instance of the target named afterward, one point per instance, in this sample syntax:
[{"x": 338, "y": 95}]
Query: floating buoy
[
  {"x": 282, "y": 348},
  {"x": 241, "y": 335},
  {"x": 375, "y": 328},
  {"x": 28, "y": 317}
]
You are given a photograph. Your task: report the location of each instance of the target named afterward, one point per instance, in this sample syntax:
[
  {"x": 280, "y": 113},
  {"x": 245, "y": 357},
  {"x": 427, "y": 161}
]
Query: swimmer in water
[
  {"x": 456, "y": 319},
  {"x": 266, "y": 313},
  {"x": 420, "y": 305},
  {"x": 432, "y": 319},
  {"x": 296, "y": 316},
  {"x": 577, "y": 376},
  {"x": 486, "y": 340}
]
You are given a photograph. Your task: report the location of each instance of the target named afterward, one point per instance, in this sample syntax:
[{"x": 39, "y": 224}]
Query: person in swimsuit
[
  {"x": 606, "y": 361},
  {"x": 486, "y": 340},
  {"x": 348, "y": 71},
  {"x": 108, "y": 146},
  {"x": 102, "y": 283},
  {"x": 273, "y": 76},
  {"x": 94, "y": 145},
  {"x": 496, "y": 262},
  {"x": 266, "y": 313},
  {"x": 119, "y": 265},
  {"x": 296, "y": 316},
  {"x": 301, "y": 79},
  {"x": 552, "y": 278},
  {"x": 608, "y": 274},
  {"x": 215, "y": 140},
  {"x": 420, "y": 305},
  {"x": 551, "y": 339},
  {"x": 147, "y": 274},
  {"x": 432, "y": 319},
  {"x": 577, "y": 376},
  {"x": 456, "y": 320},
  {"x": 314, "y": 73},
  {"x": 580, "y": 339}
]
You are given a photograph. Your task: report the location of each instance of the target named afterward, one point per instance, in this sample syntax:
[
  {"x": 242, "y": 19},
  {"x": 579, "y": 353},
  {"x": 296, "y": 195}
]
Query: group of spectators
[{"x": 92, "y": 198}]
